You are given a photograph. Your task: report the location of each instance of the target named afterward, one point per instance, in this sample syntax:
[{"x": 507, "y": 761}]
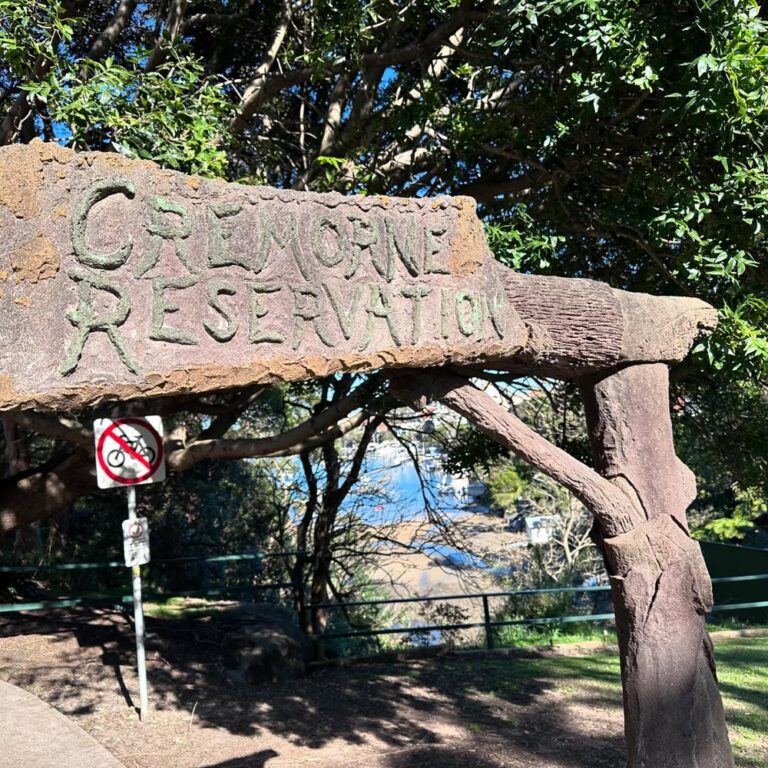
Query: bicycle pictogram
[
  {"x": 133, "y": 447},
  {"x": 129, "y": 451}
]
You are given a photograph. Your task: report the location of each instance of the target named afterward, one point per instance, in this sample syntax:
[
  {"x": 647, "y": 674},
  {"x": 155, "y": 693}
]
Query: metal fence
[
  {"x": 249, "y": 591},
  {"x": 489, "y": 625},
  {"x": 246, "y": 591}
]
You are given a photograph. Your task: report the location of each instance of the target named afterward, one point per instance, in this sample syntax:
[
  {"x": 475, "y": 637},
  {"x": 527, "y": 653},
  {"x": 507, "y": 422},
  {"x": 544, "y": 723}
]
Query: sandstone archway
[{"x": 125, "y": 281}]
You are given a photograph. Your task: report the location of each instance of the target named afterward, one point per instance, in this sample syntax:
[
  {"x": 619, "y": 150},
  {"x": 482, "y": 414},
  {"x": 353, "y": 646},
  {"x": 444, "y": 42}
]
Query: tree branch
[
  {"x": 252, "y": 98},
  {"x": 640, "y": 242},
  {"x": 39, "y": 494},
  {"x": 614, "y": 510},
  {"x": 290, "y": 443},
  {"x": 357, "y": 461},
  {"x": 484, "y": 191},
  {"x": 263, "y": 88},
  {"x": 58, "y": 427},
  {"x": 172, "y": 29},
  {"x": 330, "y": 135},
  {"x": 327, "y": 425},
  {"x": 215, "y": 19},
  {"x": 229, "y": 415},
  {"x": 113, "y": 30},
  {"x": 438, "y": 36}
]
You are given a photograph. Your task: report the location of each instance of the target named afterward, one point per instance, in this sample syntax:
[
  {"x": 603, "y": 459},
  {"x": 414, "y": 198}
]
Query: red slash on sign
[{"x": 129, "y": 451}]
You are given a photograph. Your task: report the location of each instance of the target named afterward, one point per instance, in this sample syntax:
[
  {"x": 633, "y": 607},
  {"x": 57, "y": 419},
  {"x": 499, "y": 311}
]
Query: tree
[
  {"x": 601, "y": 140},
  {"x": 660, "y": 586},
  {"x": 611, "y": 140},
  {"x": 328, "y": 486}
]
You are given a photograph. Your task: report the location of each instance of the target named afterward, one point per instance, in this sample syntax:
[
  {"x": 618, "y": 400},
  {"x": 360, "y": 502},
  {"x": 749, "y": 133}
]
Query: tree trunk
[
  {"x": 322, "y": 553},
  {"x": 661, "y": 589},
  {"x": 27, "y": 539},
  {"x": 673, "y": 713}
]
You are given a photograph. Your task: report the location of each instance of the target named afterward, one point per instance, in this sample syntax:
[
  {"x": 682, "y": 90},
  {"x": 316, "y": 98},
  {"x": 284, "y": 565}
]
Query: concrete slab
[{"x": 35, "y": 735}]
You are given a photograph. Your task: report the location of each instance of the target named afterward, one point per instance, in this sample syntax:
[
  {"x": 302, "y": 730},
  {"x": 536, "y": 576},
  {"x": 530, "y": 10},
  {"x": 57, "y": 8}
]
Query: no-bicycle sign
[{"x": 129, "y": 451}]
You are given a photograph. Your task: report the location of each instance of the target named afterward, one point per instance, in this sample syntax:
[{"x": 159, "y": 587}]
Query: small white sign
[
  {"x": 540, "y": 528},
  {"x": 129, "y": 451},
  {"x": 136, "y": 541}
]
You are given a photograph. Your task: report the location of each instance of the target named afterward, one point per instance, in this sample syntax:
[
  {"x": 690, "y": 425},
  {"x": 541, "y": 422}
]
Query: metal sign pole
[
  {"x": 130, "y": 452},
  {"x": 138, "y": 615}
]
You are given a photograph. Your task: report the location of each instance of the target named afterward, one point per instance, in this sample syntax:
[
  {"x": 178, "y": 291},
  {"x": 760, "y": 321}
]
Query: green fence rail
[
  {"x": 97, "y": 600},
  {"x": 488, "y": 624},
  {"x": 43, "y": 567},
  {"x": 731, "y": 560}
]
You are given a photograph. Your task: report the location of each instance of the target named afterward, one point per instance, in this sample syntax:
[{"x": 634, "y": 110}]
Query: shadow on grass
[{"x": 449, "y": 712}]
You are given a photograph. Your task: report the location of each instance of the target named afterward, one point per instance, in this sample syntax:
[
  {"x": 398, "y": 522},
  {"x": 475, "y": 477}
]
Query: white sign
[
  {"x": 540, "y": 528},
  {"x": 136, "y": 541},
  {"x": 129, "y": 451}
]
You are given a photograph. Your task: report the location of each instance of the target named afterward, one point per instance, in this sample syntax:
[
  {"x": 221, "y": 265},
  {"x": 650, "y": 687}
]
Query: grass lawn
[
  {"x": 591, "y": 683},
  {"x": 560, "y": 708},
  {"x": 742, "y": 671},
  {"x": 743, "y": 677}
]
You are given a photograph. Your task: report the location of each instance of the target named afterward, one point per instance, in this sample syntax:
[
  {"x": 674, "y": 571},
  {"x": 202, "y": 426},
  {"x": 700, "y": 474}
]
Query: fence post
[
  {"x": 488, "y": 627},
  {"x": 254, "y": 570}
]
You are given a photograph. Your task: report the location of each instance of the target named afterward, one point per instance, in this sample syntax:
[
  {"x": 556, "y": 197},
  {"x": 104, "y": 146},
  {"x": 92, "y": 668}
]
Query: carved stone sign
[{"x": 119, "y": 280}]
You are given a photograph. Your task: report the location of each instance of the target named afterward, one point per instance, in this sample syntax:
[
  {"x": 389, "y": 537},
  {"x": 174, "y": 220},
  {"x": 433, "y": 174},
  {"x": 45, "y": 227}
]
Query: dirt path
[{"x": 444, "y": 713}]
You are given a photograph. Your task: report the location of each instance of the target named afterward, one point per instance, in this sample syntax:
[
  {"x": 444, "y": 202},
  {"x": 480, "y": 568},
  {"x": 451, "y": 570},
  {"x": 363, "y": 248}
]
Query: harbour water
[{"x": 393, "y": 488}]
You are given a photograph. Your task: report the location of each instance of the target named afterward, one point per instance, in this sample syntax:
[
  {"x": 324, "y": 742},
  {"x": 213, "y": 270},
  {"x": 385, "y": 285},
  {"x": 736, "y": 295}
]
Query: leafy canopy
[{"x": 619, "y": 140}]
